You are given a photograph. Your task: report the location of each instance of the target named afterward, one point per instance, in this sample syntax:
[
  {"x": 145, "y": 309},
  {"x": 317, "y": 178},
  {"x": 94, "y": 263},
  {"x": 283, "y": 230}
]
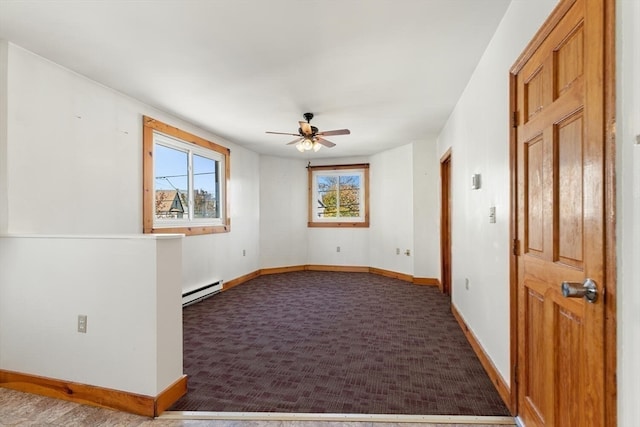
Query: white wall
[
  {"x": 126, "y": 287},
  {"x": 391, "y": 204},
  {"x": 220, "y": 256},
  {"x": 283, "y": 212},
  {"x": 628, "y": 209},
  {"x": 75, "y": 166},
  {"x": 426, "y": 210},
  {"x": 4, "y": 49},
  {"x": 477, "y": 132}
]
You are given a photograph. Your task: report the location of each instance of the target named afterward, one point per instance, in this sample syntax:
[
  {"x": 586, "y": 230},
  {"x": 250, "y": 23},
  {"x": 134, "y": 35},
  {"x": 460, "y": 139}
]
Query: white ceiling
[{"x": 389, "y": 70}]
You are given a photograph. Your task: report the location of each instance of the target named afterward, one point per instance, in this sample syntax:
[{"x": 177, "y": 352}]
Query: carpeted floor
[{"x": 327, "y": 342}]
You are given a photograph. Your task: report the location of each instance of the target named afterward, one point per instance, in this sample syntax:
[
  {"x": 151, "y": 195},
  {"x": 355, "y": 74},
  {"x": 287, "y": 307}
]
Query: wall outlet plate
[{"x": 82, "y": 323}]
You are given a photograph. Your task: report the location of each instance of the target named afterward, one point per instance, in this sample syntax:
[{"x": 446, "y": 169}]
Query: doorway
[{"x": 445, "y": 223}]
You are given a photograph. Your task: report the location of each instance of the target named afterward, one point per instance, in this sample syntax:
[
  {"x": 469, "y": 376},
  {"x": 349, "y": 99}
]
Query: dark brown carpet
[{"x": 326, "y": 342}]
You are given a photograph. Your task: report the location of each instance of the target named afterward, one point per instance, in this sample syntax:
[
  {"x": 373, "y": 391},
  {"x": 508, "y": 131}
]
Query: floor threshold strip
[{"x": 282, "y": 416}]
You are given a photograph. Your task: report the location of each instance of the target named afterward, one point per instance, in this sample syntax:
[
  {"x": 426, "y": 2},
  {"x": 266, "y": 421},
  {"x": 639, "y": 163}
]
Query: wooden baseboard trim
[
  {"x": 426, "y": 281},
  {"x": 342, "y": 268},
  {"x": 95, "y": 396},
  {"x": 239, "y": 280},
  {"x": 392, "y": 274},
  {"x": 278, "y": 270},
  {"x": 170, "y": 395},
  {"x": 501, "y": 386}
]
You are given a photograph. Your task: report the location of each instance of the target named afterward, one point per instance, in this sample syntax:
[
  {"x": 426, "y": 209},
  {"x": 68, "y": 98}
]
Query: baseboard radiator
[{"x": 194, "y": 295}]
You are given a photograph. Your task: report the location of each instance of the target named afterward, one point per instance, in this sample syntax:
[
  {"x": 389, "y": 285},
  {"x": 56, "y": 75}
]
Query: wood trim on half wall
[{"x": 95, "y": 396}]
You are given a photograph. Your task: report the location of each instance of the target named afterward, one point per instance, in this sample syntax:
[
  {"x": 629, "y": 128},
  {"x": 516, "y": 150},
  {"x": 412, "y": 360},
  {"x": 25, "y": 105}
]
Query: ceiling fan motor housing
[{"x": 314, "y": 130}]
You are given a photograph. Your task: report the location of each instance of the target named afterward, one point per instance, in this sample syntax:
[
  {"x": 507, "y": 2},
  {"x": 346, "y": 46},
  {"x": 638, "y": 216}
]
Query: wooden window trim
[
  {"x": 333, "y": 224},
  {"x": 149, "y": 126}
]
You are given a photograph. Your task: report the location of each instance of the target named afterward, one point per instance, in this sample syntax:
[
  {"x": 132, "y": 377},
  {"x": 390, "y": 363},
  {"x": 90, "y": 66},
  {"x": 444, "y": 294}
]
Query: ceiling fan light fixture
[{"x": 309, "y": 138}]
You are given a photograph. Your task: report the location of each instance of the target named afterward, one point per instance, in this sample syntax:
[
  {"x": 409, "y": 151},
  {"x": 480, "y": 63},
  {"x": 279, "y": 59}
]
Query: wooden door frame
[
  {"x": 610, "y": 351},
  {"x": 445, "y": 223}
]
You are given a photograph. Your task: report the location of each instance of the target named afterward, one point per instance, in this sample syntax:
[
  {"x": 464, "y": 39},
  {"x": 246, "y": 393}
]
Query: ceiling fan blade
[
  {"x": 306, "y": 128},
  {"x": 326, "y": 143},
  {"x": 335, "y": 132},
  {"x": 283, "y": 133},
  {"x": 295, "y": 141}
]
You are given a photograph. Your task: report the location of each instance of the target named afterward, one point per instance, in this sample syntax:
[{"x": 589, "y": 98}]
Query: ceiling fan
[{"x": 308, "y": 137}]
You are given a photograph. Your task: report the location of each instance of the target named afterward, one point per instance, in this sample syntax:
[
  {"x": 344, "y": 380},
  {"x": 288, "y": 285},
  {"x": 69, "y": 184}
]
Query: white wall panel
[
  {"x": 124, "y": 284},
  {"x": 426, "y": 210},
  {"x": 478, "y": 133},
  {"x": 4, "y": 51},
  {"x": 353, "y": 244},
  {"x": 391, "y": 224},
  {"x": 283, "y": 212},
  {"x": 628, "y": 209}
]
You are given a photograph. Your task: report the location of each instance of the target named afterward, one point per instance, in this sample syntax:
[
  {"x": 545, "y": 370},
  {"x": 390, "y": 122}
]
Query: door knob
[{"x": 587, "y": 289}]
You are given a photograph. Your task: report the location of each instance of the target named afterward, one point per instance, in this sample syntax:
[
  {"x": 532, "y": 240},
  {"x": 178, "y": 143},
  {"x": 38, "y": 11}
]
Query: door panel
[
  {"x": 560, "y": 217},
  {"x": 570, "y": 194}
]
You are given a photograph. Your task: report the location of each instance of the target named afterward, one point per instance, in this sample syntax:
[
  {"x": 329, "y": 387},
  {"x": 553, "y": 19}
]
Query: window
[
  {"x": 339, "y": 196},
  {"x": 185, "y": 182}
]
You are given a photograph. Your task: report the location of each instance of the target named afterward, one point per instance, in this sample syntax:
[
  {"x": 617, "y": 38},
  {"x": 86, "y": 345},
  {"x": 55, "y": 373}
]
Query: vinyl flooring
[{"x": 24, "y": 409}]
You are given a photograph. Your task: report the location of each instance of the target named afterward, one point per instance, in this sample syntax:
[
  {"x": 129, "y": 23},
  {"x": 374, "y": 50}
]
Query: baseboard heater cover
[{"x": 198, "y": 294}]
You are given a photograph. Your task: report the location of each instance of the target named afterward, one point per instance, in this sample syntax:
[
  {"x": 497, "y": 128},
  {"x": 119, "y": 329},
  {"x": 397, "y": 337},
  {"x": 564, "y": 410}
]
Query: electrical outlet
[
  {"x": 244, "y": 252},
  {"x": 82, "y": 323},
  {"x": 407, "y": 252},
  {"x": 492, "y": 215},
  {"x": 397, "y": 251},
  {"x": 337, "y": 248}
]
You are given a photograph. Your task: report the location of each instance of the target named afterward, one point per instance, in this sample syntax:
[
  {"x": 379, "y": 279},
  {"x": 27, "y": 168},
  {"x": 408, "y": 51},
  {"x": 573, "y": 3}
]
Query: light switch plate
[{"x": 475, "y": 181}]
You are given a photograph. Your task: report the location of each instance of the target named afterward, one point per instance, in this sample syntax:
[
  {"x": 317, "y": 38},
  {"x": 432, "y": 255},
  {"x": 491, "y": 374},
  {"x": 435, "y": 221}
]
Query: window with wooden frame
[
  {"x": 185, "y": 182},
  {"x": 339, "y": 195}
]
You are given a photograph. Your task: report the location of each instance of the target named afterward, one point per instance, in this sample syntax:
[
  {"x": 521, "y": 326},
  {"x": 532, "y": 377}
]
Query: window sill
[
  {"x": 190, "y": 231},
  {"x": 339, "y": 224}
]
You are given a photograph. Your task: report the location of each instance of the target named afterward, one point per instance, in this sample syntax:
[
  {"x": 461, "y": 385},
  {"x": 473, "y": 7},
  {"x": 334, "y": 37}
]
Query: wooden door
[
  {"x": 559, "y": 121},
  {"x": 445, "y": 223}
]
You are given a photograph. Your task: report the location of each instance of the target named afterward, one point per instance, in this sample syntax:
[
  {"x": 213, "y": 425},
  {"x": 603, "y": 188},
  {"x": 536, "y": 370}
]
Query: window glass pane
[
  {"x": 171, "y": 184},
  {"x": 206, "y": 197},
  {"x": 349, "y": 191},
  {"x": 327, "y": 196}
]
